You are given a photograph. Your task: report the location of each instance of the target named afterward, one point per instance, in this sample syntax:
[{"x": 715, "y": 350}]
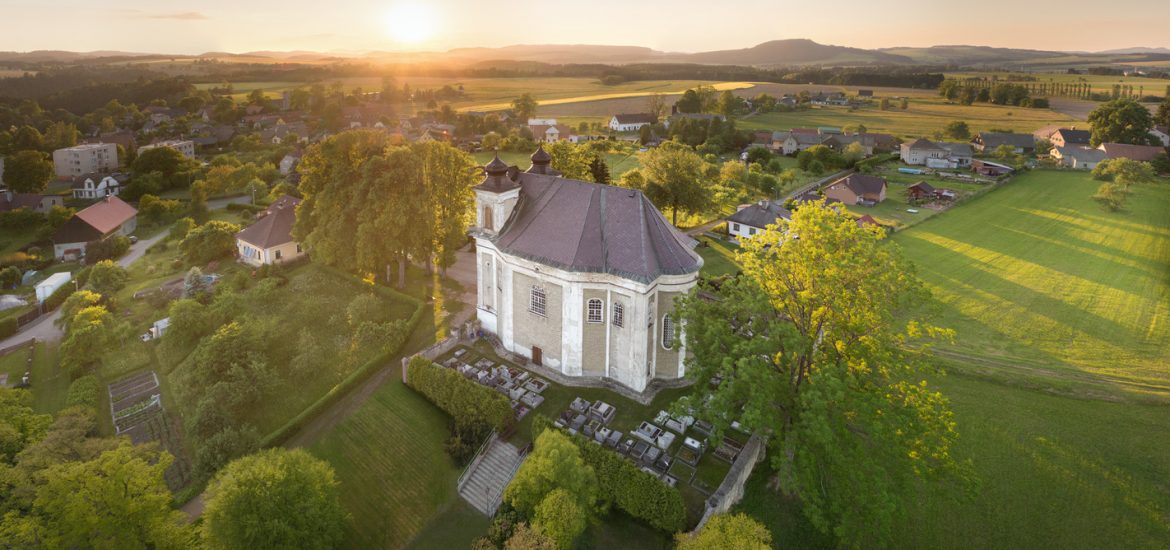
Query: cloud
[{"x": 179, "y": 16}]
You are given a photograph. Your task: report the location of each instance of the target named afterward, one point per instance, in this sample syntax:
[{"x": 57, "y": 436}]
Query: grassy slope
[
  {"x": 389, "y": 458},
  {"x": 49, "y": 385},
  {"x": 1037, "y": 273},
  {"x": 924, "y": 117}
]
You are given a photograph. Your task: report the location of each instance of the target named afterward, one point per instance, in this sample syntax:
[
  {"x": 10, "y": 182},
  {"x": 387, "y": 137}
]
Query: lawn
[
  {"x": 924, "y": 117},
  {"x": 1054, "y": 472},
  {"x": 49, "y": 385},
  {"x": 718, "y": 257},
  {"x": 393, "y": 471},
  {"x": 1039, "y": 281}
]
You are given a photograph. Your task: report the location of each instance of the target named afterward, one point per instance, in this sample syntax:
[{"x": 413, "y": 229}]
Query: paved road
[{"x": 45, "y": 327}]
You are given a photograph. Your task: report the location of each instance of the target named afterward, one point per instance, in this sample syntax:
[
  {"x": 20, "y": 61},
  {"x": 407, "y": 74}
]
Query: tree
[
  {"x": 1111, "y": 196},
  {"x": 60, "y": 135},
  {"x": 833, "y": 376},
  {"x": 656, "y": 105},
  {"x": 210, "y": 241},
  {"x": 1121, "y": 121},
  {"x": 1162, "y": 117},
  {"x": 957, "y": 129},
  {"x": 690, "y": 102},
  {"x": 106, "y": 277},
  {"x": 117, "y": 500},
  {"x": 74, "y": 303},
  {"x": 645, "y": 134},
  {"x": 526, "y": 538},
  {"x": 632, "y": 179},
  {"x": 195, "y": 285},
  {"x": 27, "y": 171},
  {"x": 1125, "y": 172},
  {"x": 110, "y": 248},
  {"x": 20, "y": 426},
  {"x": 276, "y": 498},
  {"x": 180, "y": 229},
  {"x": 570, "y": 159},
  {"x": 524, "y": 106},
  {"x": 9, "y": 277},
  {"x": 58, "y": 215},
  {"x": 599, "y": 170},
  {"x": 672, "y": 179},
  {"x": 729, "y": 104},
  {"x": 155, "y": 210},
  {"x": 555, "y": 463},
  {"x": 198, "y": 207},
  {"x": 904, "y": 104},
  {"x": 884, "y": 104},
  {"x": 164, "y": 160},
  {"x": 759, "y": 154},
  {"x": 853, "y": 153},
  {"x": 727, "y": 532},
  {"x": 88, "y": 338},
  {"x": 560, "y": 518}
]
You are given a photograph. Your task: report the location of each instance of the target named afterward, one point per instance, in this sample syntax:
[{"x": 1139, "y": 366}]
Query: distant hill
[
  {"x": 775, "y": 53},
  {"x": 796, "y": 52}
]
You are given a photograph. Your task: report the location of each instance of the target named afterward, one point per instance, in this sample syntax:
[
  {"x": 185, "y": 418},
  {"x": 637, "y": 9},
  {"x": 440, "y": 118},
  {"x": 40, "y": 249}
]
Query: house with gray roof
[
  {"x": 580, "y": 277},
  {"x": 988, "y": 142},
  {"x": 1079, "y": 158},
  {"x": 269, "y": 239},
  {"x": 752, "y": 219}
]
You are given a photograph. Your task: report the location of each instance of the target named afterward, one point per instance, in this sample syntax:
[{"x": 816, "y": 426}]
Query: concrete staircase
[{"x": 483, "y": 484}]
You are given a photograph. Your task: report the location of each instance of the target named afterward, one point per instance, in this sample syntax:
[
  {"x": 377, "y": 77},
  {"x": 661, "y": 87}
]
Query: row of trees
[
  {"x": 369, "y": 204},
  {"x": 1000, "y": 93}
]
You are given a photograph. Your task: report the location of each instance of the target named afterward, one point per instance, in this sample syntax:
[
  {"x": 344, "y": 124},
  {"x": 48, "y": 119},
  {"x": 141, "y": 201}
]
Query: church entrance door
[{"x": 537, "y": 355}]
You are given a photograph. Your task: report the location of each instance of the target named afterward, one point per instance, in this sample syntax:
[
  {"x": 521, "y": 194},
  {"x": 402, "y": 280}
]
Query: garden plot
[{"x": 137, "y": 412}]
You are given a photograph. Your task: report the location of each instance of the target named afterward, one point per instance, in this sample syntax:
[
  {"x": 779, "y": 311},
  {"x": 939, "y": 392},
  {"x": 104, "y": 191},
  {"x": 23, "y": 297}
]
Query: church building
[{"x": 580, "y": 277}]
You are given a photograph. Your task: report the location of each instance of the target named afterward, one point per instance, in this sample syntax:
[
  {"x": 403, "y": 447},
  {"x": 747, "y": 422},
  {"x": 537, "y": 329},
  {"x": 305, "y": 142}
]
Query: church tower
[{"x": 495, "y": 198}]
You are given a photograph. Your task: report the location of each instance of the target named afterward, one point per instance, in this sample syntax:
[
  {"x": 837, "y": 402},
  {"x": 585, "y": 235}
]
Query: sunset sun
[{"x": 410, "y": 22}]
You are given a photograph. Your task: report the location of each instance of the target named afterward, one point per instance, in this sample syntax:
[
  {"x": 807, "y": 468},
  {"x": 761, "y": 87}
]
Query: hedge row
[
  {"x": 627, "y": 487},
  {"x": 84, "y": 391},
  {"x": 241, "y": 207},
  {"x": 8, "y": 326},
  {"x": 59, "y": 296},
  {"x": 466, "y": 401},
  {"x": 281, "y": 434}
]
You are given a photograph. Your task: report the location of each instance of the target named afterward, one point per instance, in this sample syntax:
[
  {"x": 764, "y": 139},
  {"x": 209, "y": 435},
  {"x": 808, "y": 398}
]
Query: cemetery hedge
[
  {"x": 625, "y": 486},
  {"x": 8, "y": 326},
  {"x": 466, "y": 401}
]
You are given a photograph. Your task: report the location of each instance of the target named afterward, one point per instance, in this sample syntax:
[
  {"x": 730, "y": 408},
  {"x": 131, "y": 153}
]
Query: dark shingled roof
[
  {"x": 275, "y": 228},
  {"x": 921, "y": 186},
  {"x": 993, "y": 140},
  {"x": 636, "y": 118},
  {"x": 862, "y": 184},
  {"x": 760, "y": 215},
  {"x": 587, "y": 227},
  {"x": 1077, "y": 137}
]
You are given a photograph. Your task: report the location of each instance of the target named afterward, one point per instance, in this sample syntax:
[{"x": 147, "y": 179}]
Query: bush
[
  {"x": 210, "y": 241},
  {"x": 466, "y": 401},
  {"x": 465, "y": 440},
  {"x": 107, "y": 249},
  {"x": 83, "y": 392},
  {"x": 8, "y": 326},
  {"x": 59, "y": 296}
]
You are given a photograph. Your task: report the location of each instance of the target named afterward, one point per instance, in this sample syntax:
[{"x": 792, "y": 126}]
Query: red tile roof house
[
  {"x": 858, "y": 189},
  {"x": 108, "y": 217},
  {"x": 269, "y": 240}
]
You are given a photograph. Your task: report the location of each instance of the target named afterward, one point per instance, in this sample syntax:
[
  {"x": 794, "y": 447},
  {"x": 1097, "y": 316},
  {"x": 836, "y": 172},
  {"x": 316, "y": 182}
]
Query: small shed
[{"x": 48, "y": 286}]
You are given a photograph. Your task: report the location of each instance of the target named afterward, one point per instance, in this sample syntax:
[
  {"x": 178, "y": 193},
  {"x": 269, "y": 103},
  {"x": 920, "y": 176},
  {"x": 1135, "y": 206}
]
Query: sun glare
[{"x": 410, "y": 22}]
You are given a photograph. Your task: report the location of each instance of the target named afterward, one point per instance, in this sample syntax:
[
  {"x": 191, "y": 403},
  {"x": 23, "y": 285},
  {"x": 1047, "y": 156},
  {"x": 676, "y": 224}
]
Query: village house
[
  {"x": 921, "y": 150},
  {"x": 580, "y": 277},
  {"x": 631, "y": 122},
  {"x": 36, "y": 202},
  {"x": 750, "y": 219},
  {"x": 1066, "y": 137},
  {"x": 1162, "y": 134},
  {"x": 550, "y": 133},
  {"x": 97, "y": 186},
  {"x": 1141, "y": 153},
  {"x": 988, "y": 142},
  {"x": 185, "y": 147},
  {"x": 924, "y": 192},
  {"x": 1078, "y": 157},
  {"x": 269, "y": 239},
  {"x": 857, "y": 189},
  {"x": 104, "y": 219},
  {"x": 88, "y": 158}
]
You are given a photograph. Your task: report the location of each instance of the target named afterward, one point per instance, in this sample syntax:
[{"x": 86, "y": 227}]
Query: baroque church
[{"x": 580, "y": 277}]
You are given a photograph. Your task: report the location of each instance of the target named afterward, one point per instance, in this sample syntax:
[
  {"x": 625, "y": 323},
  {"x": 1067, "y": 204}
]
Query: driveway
[{"x": 45, "y": 327}]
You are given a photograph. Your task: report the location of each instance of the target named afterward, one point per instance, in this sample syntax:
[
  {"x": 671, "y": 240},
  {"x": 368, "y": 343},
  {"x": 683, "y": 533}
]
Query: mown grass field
[
  {"x": 50, "y": 386},
  {"x": 924, "y": 117},
  {"x": 1099, "y": 83},
  {"x": 393, "y": 471},
  {"x": 1036, "y": 278}
]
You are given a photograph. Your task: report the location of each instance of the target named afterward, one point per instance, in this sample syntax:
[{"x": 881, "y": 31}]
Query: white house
[
  {"x": 920, "y": 151},
  {"x": 1079, "y": 158},
  {"x": 1162, "y": 133},
  {"x": 269, "y": 240},
  {"x": 97, "y": 186},
  {"x": 631, "y": 122},
  {"x": 546, "y": 133},
  {"x": 752, "y": 219},
  {"x": 184, "y": 146},
  {"x": 580, "y": 277}
]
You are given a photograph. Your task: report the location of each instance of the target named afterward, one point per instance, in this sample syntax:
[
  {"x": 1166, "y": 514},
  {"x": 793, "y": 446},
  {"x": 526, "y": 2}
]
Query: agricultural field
[
  {"x": 1100, "y": 83},
  {"x": 1039, "y": 281},
  {"x": 924, "y": 118}
]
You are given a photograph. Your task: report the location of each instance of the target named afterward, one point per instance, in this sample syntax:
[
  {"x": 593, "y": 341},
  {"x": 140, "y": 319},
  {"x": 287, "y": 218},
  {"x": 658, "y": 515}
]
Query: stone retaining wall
[{"x": 730, "y": 491}]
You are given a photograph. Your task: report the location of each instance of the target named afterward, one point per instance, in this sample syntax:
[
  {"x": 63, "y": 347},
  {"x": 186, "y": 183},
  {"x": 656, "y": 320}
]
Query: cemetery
[{"x": 681, "y": 452}]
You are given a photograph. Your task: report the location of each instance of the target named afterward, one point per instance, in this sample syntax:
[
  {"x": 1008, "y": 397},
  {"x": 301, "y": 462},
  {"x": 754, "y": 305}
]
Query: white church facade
[{"x": 580, "y": 277}]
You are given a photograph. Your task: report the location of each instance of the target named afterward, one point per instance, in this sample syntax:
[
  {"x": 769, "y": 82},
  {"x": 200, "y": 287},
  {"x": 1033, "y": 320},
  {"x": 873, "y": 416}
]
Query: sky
[{"x": 676, "y": 25}]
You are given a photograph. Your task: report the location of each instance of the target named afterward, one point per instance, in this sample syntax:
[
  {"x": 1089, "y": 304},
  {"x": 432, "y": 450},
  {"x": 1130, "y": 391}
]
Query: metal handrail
[
  {"x": 475, "y": 460},
  {"x": 499, "y": 496}
]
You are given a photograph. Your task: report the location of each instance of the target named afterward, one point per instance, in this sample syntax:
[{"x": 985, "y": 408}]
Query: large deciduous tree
[
  {"x": 210, "y": 241},
  {"x": 1122, "y": 121},
  {"x": 27, "y": 171},
  {"x": 727, "y": 532},
  {"x": 555, "y": 463},
  {"x": 673, "y": 174},
  {"x": 524, "y": 106},
  {"x": 813, "y": 348},
  {"x": 276, "y": 498}
]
